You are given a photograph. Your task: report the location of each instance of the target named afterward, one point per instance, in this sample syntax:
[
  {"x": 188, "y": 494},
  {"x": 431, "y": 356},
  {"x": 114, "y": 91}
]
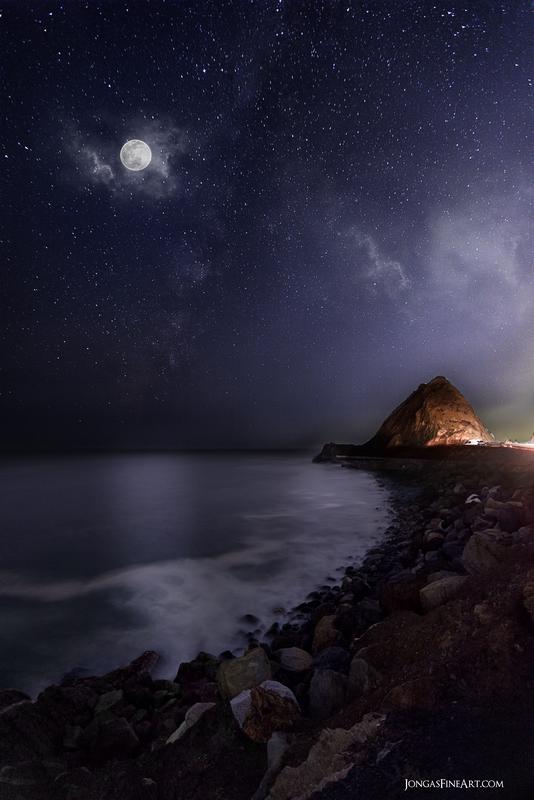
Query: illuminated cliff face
[{"x": 435, "y": 414}]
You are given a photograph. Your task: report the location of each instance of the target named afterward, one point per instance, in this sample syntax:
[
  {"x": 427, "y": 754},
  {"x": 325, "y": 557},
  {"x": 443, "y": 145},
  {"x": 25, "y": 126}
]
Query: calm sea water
[{"x": 102, "y": 557}]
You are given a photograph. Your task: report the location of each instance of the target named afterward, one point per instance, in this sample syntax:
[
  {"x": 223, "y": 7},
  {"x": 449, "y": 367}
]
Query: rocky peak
[{"x": 436, "y": 413}]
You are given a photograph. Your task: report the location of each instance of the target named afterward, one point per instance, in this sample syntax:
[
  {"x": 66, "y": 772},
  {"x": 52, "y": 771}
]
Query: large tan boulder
[
  {"x": 266, "y": 708},
  {"x": 294, "y": 659},
  {"x": 238, "y": 674}
]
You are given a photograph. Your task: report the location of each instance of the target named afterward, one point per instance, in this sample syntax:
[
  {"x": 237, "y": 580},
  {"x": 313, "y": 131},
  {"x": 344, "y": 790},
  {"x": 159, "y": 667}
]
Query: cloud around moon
[{"x": 99, "y": 161}]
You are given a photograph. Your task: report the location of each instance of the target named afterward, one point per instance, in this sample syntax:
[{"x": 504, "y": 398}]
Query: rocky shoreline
[{"x": 417, "y": 665}]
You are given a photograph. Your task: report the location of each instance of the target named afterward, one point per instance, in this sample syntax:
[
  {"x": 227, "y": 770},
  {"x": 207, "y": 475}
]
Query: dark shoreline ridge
[{"x": 419, "y": 665}]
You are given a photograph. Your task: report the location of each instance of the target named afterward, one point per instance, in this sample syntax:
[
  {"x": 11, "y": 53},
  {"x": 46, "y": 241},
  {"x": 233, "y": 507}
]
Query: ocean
[{"x": 105, "y": 556}]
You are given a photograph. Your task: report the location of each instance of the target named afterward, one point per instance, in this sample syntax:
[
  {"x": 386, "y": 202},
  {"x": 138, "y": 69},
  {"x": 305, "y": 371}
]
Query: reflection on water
[{"x": 105, "y": 556}]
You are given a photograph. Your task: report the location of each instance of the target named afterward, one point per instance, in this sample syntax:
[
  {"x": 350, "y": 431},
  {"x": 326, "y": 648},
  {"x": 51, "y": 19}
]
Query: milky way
[{"x": 339, "y": 206}]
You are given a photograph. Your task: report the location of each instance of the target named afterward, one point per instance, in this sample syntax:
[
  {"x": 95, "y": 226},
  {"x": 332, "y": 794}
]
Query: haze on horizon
[{"x": 338, "y": 207}]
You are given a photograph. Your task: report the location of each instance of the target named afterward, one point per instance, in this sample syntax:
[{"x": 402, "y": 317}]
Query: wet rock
[
  {"x": 325, "y": 634},
  {"x": 108, "y": 700},
  {"x": 78, "y": 778},
  {"x": 243, "y": 673},
  {"x": 510, "y": 519},
  {"x": 10, "y": 696},
  {"x": 433, "y": 540},
  {"x": 525, "y": 535},
  {"x": 249, "y": 619},
  {"x": 362, "y": 678},
  {"x": 353, "y": 620},
  {"x": 453, "y": 552},
  {"x": 336, "y": 658},
  {"x": 439, "y": 592},
  {"x": 295, "y": 659},
  {"x": 401, "y": 592},
  {"x": 143, "y": 665},
  {"x": 322, "y": 610},
  {"x": 25, "y": 774},
  {"x": 73, "y": 737},
  {"x": 204, "y": 666},
  {"x": 192, "y": 716},
  {"x": 484, "y": 613},
  {"x": 114, "y": 738},
  {"x": 439, "y": 575},
  {"x": 327, "y": 693},
  {"x": 26, "y": 733},
  {"x": 264, "y": 709}
]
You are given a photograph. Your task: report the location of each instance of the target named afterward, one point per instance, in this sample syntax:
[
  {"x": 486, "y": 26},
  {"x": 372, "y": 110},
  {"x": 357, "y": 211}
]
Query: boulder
[
  {"x": 295, "y": 659},
  {"x": 328, "y": 756},
  {"x": 483, "y": 552},
  {"x": 418, "y": 694},
  {"x": 509, "y": 514},
  {"x": 192, "y": 715},
  {"x": 439, "y": 592},
  {"x": 336, "y": 658},
  {"x": 452, "y": 551},
  {"x": 439, "y": 575},
  {"x": 524, "y": 535},
  {"x": 362, "y": 678},
  {"x": 73, "y": 737},
  {"x": 359, "y": 588},
  {"x": 203, "y": 667},
  {"x": 326, "y": 634},
  {"x": 114, "y": 738},
  {"x": 27, "y": 776},
  {"x": 433, "y": 540},
  {"x": 264, "y": 709},
  {"x": 354, "y": 620},
  {"x": 9, "y": 697},
  {"x": 327, "y": 693},
  {"x": 69, "y": 783},
  {"x": 26, "y": 733},
  {"x": 143, "y": 665},
  {"x": 401, "y": 592},
  {"x": 238, "y": 674},
  {"x": 108, "y": 700}
]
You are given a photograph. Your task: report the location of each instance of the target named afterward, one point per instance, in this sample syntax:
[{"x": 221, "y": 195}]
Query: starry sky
[{"x": 339, "y": 206}]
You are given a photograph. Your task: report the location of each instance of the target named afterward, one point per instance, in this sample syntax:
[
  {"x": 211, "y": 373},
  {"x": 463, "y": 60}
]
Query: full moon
[{"x": 136, "y": 155}]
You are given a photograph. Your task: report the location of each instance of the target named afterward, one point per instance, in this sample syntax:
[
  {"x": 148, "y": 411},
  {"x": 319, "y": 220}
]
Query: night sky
[{"x": 339, "y": 206}]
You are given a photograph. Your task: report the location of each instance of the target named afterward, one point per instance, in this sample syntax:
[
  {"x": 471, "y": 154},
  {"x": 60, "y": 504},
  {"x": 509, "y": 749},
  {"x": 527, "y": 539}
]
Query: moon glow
[{"x": 135, "y": 155}]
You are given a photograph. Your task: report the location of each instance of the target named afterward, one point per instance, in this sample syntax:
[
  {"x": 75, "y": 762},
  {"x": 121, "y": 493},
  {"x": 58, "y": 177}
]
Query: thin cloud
[{"x": 380, "y": 272}]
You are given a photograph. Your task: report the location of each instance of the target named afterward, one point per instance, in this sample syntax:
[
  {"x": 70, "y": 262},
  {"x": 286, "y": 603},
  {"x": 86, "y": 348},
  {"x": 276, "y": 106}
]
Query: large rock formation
[{"x": 435, "y": 414}]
